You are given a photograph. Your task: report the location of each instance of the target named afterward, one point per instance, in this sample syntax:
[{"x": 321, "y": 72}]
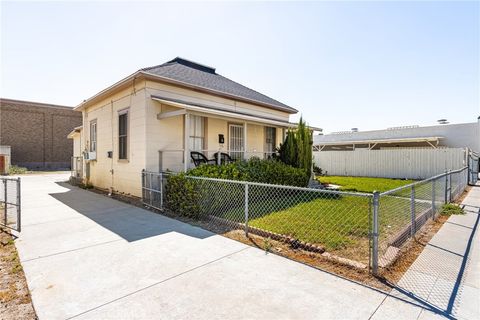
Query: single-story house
[{"x": 154, "y": 118}]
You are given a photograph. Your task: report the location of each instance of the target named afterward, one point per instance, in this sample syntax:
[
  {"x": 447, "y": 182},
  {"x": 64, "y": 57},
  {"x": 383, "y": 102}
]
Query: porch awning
[{"x": 215, "y": 111}]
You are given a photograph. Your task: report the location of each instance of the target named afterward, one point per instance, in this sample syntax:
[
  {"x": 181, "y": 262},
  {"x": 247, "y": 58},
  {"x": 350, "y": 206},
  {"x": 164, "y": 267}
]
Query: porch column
[
  {"x": 186, "y": 144},
  {"x": 245, "y": 141}
]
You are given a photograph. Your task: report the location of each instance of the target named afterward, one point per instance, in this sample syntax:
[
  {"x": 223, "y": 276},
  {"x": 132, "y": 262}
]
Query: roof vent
[
  {"x": 354, "y": 129},
  {"x": 193, "y": 64},
  {"x": 443, "y": 121},
  {"x": 404, "y": 127}
]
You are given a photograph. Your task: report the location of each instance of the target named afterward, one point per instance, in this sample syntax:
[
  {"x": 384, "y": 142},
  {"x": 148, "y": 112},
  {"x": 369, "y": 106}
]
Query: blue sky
[{"x": 369, "y": 65}]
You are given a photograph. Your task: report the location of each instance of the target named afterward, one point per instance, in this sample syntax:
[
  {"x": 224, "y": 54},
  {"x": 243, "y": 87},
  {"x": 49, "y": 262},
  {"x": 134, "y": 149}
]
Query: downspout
[{"x": 111, "y": 159}]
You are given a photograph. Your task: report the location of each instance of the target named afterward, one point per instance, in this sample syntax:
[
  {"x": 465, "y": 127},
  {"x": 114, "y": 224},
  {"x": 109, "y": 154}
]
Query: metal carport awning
[
  {"x": 194, "y": 107},
  {"x": 432, "y": 141}
]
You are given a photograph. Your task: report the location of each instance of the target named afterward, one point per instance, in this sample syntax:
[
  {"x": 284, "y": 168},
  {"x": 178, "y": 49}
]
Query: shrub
[
  {"x": 194, "y": 198},
  {"x": 296, "y": 150},
  {"x": 182, "y": 196},
  {"x": 255, "y": 170},
  {"x": 17, "y": 170},
  {"x": 450, "y": 208}
]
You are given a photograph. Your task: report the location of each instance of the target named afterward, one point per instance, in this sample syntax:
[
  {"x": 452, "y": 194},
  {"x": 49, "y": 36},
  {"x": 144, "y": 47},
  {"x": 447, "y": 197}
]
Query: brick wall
[{"x": 37, "y": 133}]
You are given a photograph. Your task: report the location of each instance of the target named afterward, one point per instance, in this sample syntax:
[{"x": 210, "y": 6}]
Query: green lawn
[
  {"x": 339, "y": 223},
  {"x": 364, "y": 184}
]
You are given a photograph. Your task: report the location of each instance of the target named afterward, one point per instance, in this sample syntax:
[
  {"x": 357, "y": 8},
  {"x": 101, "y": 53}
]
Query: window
[
  {"x": 270, "y": 141},
  {"x": 123, "y": 135},
  {"x": 197, "y": 133},
  {"x": 236, "y": 139},
  {"x": 93, "y": 135}
]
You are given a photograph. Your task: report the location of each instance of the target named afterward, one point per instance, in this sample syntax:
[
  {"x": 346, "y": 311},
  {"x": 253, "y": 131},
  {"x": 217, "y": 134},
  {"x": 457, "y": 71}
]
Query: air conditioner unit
[{"x": 90, "y": 155}]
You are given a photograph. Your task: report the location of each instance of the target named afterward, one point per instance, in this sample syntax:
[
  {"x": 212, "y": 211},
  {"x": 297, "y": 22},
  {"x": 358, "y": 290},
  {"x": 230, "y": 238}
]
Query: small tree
[{"x": 296, "y": 150}]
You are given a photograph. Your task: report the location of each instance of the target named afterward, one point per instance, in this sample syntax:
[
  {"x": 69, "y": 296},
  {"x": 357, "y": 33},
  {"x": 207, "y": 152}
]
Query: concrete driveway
[{"x": 87, "y": 256}]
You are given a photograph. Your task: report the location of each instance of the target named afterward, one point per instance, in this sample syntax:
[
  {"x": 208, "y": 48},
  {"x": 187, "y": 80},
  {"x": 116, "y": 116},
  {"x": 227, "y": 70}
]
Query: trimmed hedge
[
  {"x": 194, "y": 198},
  {"x": 255, "y": 170},
  {"x": 183, "y": 196}
]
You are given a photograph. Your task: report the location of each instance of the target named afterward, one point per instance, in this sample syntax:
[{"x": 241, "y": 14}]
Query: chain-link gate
[
  {"x": 473, "y": 167},
  {"x": 10, "y": 203}
]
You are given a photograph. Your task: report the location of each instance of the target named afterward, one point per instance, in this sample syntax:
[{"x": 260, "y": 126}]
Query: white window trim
[
  {"x": 92, "y": 144},
  {"x": 126, "y": 112},
  {"x": 192, "y": 129}
]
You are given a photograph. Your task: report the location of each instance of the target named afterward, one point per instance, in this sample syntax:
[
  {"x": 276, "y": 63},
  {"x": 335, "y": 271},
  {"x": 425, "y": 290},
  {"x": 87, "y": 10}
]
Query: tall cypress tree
[{"x": 296, "y": 150}]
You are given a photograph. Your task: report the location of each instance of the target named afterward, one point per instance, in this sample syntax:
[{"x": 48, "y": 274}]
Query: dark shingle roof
[{"x": 205, "y": 77}]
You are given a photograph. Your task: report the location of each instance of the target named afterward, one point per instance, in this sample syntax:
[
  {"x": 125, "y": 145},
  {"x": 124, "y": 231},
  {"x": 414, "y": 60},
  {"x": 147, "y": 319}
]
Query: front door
[{"x": 236, "y": 142}]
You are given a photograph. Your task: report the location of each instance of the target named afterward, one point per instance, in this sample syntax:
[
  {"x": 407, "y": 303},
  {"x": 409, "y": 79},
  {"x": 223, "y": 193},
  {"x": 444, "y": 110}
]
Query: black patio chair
[
  {"x": 199, "y": 158},
  {"x": 224, "y": 158}
]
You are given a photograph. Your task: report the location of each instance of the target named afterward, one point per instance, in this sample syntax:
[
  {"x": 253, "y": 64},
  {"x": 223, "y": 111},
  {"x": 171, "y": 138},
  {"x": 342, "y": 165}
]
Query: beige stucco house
[{"x": 155, "y": 117}]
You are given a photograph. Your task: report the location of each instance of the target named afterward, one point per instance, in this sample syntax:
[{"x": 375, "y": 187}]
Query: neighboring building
[
  {"x": 403, "y": 152},
  {"x": 461, "y": 135},
  {"x": 37, "y": 133},
  {"x": 155, "y": 117}
]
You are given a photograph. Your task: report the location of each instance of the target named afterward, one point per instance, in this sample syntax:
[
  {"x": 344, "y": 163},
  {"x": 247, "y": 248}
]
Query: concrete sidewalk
[
  {"x": 87, "y": 256},
  {"x": 445, "y": 277}
]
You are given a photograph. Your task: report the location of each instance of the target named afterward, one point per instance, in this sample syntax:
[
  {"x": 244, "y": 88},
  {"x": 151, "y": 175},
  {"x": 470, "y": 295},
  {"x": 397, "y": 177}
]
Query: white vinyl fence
[{"x": 405, "y": 163}]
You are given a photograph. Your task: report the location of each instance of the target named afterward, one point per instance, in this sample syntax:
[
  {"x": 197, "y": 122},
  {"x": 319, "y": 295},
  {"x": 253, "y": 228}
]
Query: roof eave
[
  {"x": 105, "y": 91},
  {"x": 152, "y": 76},
  {"x": 289, "y": 110}
]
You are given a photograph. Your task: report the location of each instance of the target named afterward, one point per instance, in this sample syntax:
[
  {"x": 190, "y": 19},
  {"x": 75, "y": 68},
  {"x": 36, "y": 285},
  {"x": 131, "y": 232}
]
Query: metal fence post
[
  {"x": 433, "y": 199},
  {"x": 246, "y": 209},
  {"x": 412, "y": 212},
  {"x": 376, "y": 198},
  {"x": 161, "y": 190},
  {"x": 150, "y": 198},
  {"x": 446, "y": 187},
  {"x": 143, "y": 185},
  {"x": 5, "y": 200},
  {"x": 450, "y": 186},
  {"x": 19, "y": 206}
]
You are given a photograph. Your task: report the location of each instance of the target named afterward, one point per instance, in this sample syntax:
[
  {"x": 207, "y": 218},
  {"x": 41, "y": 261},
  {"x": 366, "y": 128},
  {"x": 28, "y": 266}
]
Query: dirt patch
[
  {"x": 411, "y": 250},
  {"x": 313, "y": 259},
  {"x": 465, "y": 192},
  {"x": 15, "y": 300}
]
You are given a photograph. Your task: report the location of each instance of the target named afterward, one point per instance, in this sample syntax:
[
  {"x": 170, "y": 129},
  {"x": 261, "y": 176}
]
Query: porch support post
[
  {"x": 245, "y": 141},
  {"x": 186, "y": 147}
]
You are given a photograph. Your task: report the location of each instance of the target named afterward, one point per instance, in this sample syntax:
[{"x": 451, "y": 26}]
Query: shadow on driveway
[{"x": 129, "y": 222}]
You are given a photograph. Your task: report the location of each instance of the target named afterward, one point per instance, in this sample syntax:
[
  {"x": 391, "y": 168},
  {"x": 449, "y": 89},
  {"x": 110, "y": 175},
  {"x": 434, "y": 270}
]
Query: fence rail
[
  {"x": 364, "y": 229},
  {"x": 10, "y": 205}
]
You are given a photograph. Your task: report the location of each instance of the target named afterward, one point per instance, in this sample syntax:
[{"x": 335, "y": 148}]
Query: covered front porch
[{"x": 207, "y": 130}]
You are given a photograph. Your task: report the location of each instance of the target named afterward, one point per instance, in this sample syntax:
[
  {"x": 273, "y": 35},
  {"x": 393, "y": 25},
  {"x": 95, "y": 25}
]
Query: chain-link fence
[
  {"x": 312, "y": 219},
  {"x": 400, "y": 213},
  {"x": 474, "y": 167},
  {"x": 10, "y": 207},
  {"x": 364, "y": 229}
]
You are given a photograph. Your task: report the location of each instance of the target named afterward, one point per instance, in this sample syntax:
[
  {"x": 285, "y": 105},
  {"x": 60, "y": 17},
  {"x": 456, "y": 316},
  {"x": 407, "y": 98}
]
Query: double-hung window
[
  {"x": 197, "y": 133},
  {"x": 93, "y": 135},
  {"x": 123, "y": 134},
  {"x": 270, "y": 141}
]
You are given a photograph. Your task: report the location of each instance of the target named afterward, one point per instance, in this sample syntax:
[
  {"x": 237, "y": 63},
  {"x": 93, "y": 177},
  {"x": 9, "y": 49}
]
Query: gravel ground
[{"x": 15, "y": 301}]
